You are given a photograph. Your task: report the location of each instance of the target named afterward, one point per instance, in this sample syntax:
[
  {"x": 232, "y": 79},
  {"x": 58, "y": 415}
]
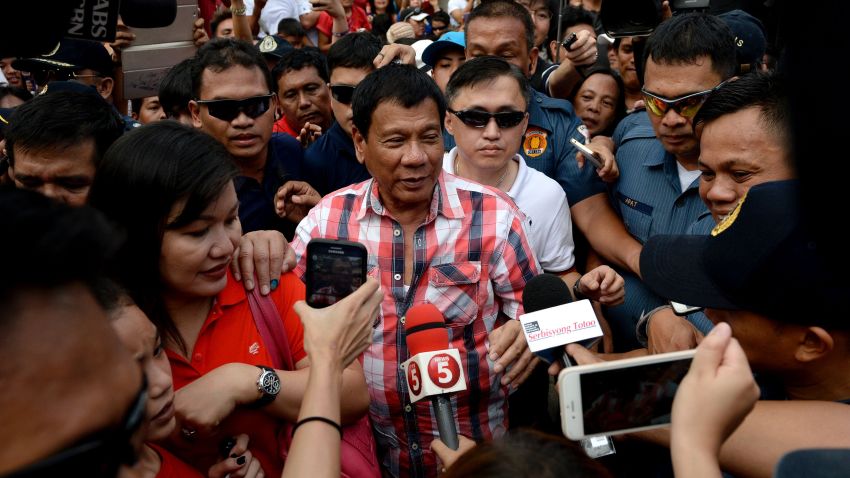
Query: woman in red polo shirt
[{"x": 171, "y": 188}]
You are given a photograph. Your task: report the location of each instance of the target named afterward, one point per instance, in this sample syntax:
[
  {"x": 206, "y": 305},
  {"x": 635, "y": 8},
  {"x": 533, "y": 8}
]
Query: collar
[
  {"x": 444, "y": 201},
  {"x": 536, "y": 117}
]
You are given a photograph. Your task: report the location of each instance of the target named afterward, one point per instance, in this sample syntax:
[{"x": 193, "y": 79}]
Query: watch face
[{"x": 270, "y": 383}]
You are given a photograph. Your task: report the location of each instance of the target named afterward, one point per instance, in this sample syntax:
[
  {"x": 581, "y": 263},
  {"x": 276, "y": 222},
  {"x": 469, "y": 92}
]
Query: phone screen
[
  {"x": 333, "y": 272},
  {"x": 632, "y": 397}
]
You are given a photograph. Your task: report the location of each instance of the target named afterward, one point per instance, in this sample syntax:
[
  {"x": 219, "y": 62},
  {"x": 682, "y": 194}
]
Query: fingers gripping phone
[
  {"x": 620, "y": 396},
  {"x": 588, "y": 153},
  {"x": 335, "y": 268}
]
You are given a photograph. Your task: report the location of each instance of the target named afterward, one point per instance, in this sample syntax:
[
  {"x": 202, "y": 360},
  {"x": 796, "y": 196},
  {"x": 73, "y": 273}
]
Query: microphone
[
  {"x": 543, "y": 292},
  {"x": 428, "y": 344}
]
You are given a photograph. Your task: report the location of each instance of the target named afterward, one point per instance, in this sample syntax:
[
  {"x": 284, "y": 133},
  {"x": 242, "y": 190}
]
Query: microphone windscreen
[
  {"x": 545, "y": 291},
  {"x": 425, "y": 329},
  {"x": 148, "y": 13}
]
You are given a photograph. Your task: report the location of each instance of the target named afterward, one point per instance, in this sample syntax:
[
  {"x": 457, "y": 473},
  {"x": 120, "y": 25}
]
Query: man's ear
[
  {"x": 533, "y": 55},
  {"x": 105, "y": 87},
  {"x": 359, "y": 144},
  {"x": 450, "y": 123},
  {"x": 814, "y": 344},
  {"x": 195, "y": 111}
]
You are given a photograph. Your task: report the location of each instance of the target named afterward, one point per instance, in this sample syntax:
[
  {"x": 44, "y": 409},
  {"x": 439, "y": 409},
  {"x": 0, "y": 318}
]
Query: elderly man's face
[
  {"x": 404, "y": 153},
  {"x": 64, "y": 174},
  {"x": 305, "y": 97}
]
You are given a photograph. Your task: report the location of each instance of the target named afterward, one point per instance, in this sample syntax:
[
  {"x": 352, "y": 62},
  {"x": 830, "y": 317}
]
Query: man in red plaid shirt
[{"x": 436, "y": 238}]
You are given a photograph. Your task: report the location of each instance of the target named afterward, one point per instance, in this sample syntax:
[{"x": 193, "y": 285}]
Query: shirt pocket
[
  {"x": 637, "y": 216},
  {"x": 454, "y": 289}
]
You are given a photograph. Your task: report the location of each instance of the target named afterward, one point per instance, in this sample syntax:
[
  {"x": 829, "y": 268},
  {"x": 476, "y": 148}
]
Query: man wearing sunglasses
[
  {"x": 235, "y": 103},
  {"x": 687, "y": 58},
  {"x": 73, "y": 398},
  {"x": 330, "y": 162}
]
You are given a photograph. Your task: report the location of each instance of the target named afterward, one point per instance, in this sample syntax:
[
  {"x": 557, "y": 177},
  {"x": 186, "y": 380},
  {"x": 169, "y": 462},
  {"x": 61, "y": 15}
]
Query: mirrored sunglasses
[
  {"x": 480, "y": 118},
  {"x": 686, "y": 106},
  {"x": 343, "y": 93},
  {"x": 228, "y": 110}
]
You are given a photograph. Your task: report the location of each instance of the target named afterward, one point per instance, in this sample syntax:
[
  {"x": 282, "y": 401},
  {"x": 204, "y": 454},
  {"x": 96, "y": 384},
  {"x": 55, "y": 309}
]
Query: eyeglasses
[
  {"x": 480, "y": 118},
  {"x": 43, "y": 77},
  {"x": 343, "y": 93},
  {"x": 686, "y": 106},
  {"x": 101, "y": 454},
  {"x": 228, "y": 110}
]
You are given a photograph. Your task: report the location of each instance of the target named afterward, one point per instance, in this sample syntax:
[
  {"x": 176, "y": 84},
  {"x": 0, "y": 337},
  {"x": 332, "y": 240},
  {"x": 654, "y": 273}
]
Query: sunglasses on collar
[
  {"x": 99, "y": 455},
  {"x": 480, "y": 118},
  {"x": 228, "y": 110},
  {"x": 686, "y": 106}
]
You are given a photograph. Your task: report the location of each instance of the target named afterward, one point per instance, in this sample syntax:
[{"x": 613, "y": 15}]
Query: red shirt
[
  {"x": 228, "y": 335},
  {"x": 281, "y": 126},
  {"x": 356, "y": 21}
]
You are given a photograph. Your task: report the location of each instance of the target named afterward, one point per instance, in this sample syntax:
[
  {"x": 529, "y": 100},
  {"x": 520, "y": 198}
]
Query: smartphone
[
  {"x": 620, "y": 396},
  {"x": 682, "y": 309},
  {"x": 588, "y": 153},
  {"x": 335, "y": 268}
]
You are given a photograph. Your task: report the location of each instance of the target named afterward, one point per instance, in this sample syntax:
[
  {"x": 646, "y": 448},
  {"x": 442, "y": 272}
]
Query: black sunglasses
[
  {"x": 228, "y": 110},
  {"x": 480, "y": 118},
  {"x": 343, "y": 93},
  {"x": 101, "y": 454}
]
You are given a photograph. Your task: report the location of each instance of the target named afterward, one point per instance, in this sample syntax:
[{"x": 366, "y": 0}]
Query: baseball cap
[
  {"x": 449, "y": 40},
  {"x": 400, "y": 30},
  {"x": 412, "y": 13},
  {"x": 760, "y": 258},
  {"x": 70, "y": 54},
  {"x": 750, "y": 42},
  {"x": 274, "y": 46}
]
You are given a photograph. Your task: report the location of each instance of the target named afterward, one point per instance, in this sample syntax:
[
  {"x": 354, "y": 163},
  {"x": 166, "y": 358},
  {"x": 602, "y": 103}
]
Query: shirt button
[
  {"x": 401, "y": 320},
  {"x": 408, "y": 408},
  {"x": 396, "y": 232},
  {"x": 397, "y": 277},
  {"x": 414, "y": 446},
  {"x": 198, "y": 356}
]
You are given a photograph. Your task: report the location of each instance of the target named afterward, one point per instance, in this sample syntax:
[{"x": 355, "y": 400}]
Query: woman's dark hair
[
  {"x": 549, "y": 456},
  {"x": 619, "y": 108},
  {"x": 140, "y": 179}
]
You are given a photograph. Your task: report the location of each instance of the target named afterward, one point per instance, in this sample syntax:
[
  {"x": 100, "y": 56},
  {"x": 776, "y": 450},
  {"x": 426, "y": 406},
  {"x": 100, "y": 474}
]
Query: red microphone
[{"x": 428, "y": 339}]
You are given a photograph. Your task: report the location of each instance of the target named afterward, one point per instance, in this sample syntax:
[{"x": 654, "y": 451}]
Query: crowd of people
[{"x": 156, "y": 247}]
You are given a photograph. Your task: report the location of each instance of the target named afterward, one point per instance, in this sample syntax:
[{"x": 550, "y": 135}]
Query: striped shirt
[{"x": 471, "y": 260}]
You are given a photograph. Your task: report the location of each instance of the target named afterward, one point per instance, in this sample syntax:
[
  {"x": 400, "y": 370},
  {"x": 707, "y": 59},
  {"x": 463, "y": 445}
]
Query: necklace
[{"x": 498, "y": 183}]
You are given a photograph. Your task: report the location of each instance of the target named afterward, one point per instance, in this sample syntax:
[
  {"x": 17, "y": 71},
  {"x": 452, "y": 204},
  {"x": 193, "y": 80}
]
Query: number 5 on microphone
[{"x": 444, "y": 374}]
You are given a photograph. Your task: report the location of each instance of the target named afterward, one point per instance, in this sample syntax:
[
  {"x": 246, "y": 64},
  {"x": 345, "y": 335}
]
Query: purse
[{"x": 358, "y": 456}]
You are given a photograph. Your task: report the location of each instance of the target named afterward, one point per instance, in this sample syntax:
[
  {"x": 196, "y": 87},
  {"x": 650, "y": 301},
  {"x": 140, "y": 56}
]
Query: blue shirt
[
  {"x": 649, "y": 198},
  {"x": 330, "y": 163},
  {"x": 256, "y": 201}
]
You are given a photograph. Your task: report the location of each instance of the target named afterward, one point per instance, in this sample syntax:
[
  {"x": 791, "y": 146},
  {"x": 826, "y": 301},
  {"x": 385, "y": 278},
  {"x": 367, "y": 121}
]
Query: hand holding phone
[
  {"x": 335, "y": 269},
  {"x": 588, "y": 153},
  {"x": 620, "y": 396}
]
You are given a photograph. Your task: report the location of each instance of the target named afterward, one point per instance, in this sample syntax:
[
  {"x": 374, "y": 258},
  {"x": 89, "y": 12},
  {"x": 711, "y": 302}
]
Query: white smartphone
[
  {"x": 620, "y": 396},
  {"x": 588, "y": 153}
]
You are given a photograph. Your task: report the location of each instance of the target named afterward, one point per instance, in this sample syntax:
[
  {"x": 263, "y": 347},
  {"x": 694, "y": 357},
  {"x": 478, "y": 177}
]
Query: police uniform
[{"x": 649, "y": 198}]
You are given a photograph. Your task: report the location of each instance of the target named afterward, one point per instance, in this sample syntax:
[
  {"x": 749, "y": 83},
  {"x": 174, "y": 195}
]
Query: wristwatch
[{"x": 268, "y": 383}]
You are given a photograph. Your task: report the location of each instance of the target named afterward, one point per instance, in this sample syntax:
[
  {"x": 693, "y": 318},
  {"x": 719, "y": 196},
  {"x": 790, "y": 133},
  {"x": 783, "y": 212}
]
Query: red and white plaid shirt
[{"x": 471, "y": 260}]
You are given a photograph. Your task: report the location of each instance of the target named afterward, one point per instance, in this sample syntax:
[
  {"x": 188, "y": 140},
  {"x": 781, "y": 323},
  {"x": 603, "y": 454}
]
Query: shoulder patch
[{"x": 535, "y": 142}]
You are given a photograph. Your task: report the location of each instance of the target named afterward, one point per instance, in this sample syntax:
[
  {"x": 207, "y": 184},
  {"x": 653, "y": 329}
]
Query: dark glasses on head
[
  {"x": 480, "y": 118},
  {"x": 342, "y": 93},
  {"x": 686, "y": 106},
  {"x": 228, "y": 110}
]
